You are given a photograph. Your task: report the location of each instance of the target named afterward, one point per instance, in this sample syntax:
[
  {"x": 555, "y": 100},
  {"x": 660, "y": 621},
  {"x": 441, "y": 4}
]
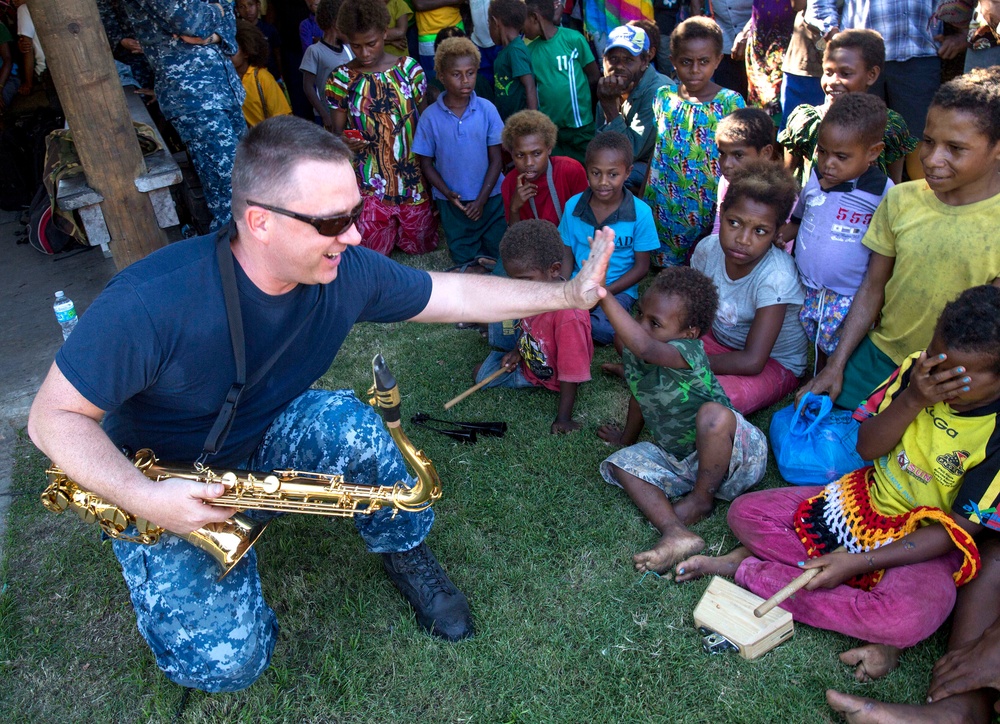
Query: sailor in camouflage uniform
[{"x": 188, "y": 43}]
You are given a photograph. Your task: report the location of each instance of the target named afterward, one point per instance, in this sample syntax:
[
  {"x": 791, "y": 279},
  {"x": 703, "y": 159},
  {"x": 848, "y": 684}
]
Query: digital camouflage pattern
[
  {"x": 219, "y": 636},
  {"x": 196, "y": 85},
  {"x": 670, "y": 398}
]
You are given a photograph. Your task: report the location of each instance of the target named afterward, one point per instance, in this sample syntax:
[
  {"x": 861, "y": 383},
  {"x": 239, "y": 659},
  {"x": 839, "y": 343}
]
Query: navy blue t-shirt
[{"x": 154, "y": 348}]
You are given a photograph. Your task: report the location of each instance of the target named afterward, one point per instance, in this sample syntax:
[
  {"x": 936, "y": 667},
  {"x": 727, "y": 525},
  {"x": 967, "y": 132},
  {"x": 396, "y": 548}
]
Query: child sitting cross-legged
[
  {"x": 554, "y": 349},
  {"x": 756, "y": 345},
  {"x": 833, "y": 213},
  {"x": 608, "y": 203},
  {"x": 458, "y": 144},
  {"x": 704, "y": 449},
  {"x": 891, "y": 541}
]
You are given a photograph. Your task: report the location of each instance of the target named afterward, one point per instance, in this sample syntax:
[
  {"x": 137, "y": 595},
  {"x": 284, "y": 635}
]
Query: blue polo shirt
[
  {"x": 459, "y": 145},
  {"x": 634, "y": 230}
]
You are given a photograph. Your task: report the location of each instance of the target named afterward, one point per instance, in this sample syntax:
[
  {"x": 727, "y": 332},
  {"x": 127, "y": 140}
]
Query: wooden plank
[
  {"x": 83, "y": 70},
  {"x": 727, "y": 609}
]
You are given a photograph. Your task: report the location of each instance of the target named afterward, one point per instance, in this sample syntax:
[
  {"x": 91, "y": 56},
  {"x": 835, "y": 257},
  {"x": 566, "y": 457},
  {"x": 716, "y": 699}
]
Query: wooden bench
[{"x": 162, "y": 172}]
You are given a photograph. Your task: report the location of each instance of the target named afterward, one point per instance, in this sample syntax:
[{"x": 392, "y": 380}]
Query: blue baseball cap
[{"x": 629, "y": 37}]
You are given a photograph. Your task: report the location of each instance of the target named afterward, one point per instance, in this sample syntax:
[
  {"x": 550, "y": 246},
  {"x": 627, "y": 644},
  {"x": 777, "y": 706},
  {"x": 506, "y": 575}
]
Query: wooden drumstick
[
  {"x": 479, "y": 385},
  {"x": 799, "y": 582},
  {"x": 785, "y": 592}
]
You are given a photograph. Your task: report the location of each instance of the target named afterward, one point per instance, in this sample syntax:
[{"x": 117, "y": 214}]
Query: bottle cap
[{"x": 59, "y": 294}]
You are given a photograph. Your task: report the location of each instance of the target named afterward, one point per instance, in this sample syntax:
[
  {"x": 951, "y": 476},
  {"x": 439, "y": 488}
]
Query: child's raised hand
[
  {"x": 610, "y": 434},
  {"x": 931, "y": 380}
]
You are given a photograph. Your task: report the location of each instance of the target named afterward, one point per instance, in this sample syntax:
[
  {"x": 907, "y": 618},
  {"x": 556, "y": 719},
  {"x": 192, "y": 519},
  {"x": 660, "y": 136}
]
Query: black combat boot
[{"x": 442, "y": 610}]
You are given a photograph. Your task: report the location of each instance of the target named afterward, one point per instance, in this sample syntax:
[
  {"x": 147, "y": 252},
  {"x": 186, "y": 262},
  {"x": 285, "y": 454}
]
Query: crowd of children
[{"x": 767, "y": 251}]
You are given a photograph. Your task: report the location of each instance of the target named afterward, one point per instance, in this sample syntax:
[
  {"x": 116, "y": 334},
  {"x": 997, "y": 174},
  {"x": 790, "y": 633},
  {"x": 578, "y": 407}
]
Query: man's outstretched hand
[{"x": 586, "y": 289}]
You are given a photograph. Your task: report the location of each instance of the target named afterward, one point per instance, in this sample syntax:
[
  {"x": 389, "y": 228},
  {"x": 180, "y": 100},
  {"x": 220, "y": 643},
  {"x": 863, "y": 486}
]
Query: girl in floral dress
[
  {"x": 684, "y": 169},
  {"x": 374, "y": 102}
]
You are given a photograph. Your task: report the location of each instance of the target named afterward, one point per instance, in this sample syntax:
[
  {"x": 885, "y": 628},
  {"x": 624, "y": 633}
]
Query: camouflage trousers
[
  {"x": 211, "y": 137},
  {"x": 218, "y": 636}
]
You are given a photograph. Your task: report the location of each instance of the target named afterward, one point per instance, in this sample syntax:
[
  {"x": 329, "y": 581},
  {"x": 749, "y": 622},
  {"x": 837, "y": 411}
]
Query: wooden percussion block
[{"x": 727, "y": 610}]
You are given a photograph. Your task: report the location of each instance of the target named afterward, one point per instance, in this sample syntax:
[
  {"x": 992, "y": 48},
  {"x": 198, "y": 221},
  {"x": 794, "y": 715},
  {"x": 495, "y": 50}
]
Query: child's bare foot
[
  {"x": 693, "y": 507},
  {"x": 671, "y": 548},
  {"x": 698, "y": 566},
  {"x": 615, "y": 370},
  {"x": 610, "y": 433},
  {"x": 872, "y": 661},
  {"x": 859, "y": 710}
]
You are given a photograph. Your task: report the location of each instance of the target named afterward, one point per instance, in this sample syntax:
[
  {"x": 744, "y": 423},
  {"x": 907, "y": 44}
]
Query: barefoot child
[
  {"x": 608, "y": 203},
  {"x": 932, "y": 431},
  {"x": 704, "y": 450},
  {"x": 681, "y": 188},
  {"x": 554, "y": 349},
  {"x": 833, "y": 213},
  {"x": 756, "y": 345},
  {"x": 458, "y": 144}
]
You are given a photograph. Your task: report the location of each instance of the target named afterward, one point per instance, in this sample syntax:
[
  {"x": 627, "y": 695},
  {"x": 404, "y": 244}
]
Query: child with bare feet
[
  {"x": 704, "y": 449},
  {"x": 891, "y": 541}
]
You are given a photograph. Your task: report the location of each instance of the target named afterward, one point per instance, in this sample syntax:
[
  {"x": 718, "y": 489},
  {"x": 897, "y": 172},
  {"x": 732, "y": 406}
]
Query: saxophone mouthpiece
[
  {"x": 384, "y": 380},
  {"x": 385, "y": 391}
]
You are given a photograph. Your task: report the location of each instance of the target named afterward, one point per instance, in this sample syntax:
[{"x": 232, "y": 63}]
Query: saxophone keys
[
  {"x": 270, "y": 484},
  {"x": 229, "y": 479}
]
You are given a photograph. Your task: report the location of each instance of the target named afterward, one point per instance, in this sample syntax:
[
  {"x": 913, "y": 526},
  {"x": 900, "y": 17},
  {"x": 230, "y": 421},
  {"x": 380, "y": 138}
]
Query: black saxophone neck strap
[{"x": 230, "y": 293}]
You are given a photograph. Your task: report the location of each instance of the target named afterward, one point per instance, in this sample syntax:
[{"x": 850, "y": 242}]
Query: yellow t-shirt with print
[
  {"x": 939, "y": 450},
  {"x": 940, "y": 251}
]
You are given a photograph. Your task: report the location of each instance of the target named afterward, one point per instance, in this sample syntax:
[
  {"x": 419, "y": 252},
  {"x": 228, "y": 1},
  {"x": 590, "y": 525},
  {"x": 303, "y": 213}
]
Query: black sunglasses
[{"x": 325, "y": 225}]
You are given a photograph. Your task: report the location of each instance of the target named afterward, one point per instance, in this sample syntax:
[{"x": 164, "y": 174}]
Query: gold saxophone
[{"x": 286, "y": 491}]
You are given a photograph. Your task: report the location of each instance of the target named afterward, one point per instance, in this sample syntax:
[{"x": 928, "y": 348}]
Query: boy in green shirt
[{"x": 566, "y": 75}]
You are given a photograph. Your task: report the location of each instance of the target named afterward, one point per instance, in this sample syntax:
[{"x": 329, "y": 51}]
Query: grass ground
[{"x": 566, "y": 630}]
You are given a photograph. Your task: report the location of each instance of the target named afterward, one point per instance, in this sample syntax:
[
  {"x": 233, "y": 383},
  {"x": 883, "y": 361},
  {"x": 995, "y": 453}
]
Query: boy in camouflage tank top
[{"x": 704, "y": 449}]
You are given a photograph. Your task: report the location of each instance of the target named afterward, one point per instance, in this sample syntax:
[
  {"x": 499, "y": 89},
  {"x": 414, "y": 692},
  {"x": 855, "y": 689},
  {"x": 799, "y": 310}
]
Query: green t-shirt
[
  {"x": 563, "y": 91},
  {"x": 511, "y": 63},
  {"x": 670, "y": 398}
]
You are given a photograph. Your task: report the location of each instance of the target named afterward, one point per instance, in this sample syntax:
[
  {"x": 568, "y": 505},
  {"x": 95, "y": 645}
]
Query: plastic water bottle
[{"x": 65, "y": 314}]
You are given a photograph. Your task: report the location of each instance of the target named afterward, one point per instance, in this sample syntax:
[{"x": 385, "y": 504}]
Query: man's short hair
[
  {"x": 509, "y": 13},
  {"x": 534, "y": 245},
  {"x": 864, "y": 115},
  {"x": 269, "y": 153},
  {"x": 868, "y": 43}
]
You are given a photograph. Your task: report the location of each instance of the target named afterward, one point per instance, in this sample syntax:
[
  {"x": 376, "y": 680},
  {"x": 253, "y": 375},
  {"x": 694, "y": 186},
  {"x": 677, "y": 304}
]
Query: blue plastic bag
[{"x": 813, "y": 443}]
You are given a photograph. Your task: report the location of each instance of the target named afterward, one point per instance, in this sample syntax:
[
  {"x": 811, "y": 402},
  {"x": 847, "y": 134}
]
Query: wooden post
[{"x": 79, "y": 57}]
